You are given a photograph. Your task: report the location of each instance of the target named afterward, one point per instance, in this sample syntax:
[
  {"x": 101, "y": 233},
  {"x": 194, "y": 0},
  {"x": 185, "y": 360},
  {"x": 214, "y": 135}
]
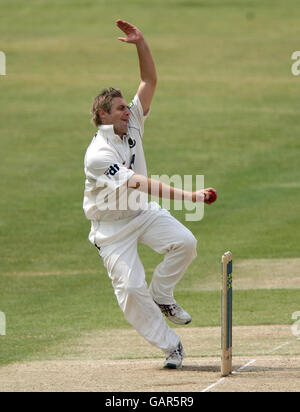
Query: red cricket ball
[{"x": 212, "y": 197}]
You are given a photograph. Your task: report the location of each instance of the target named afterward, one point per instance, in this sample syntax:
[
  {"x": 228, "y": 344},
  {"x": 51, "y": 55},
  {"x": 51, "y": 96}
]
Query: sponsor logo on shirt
[
  {"x": 131, "y": 142},
  {"x": 112, "y": 170}
]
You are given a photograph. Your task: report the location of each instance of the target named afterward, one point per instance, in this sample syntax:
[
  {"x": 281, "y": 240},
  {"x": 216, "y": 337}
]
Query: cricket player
[{"x": 116, "y": 174}]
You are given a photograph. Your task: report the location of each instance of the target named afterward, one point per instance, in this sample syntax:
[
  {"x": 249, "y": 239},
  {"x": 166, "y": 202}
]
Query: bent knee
[
  {"x": 130, "y": 290},
  {"x": 129, "y": 295},
  {"x": 190, "y": 244}
]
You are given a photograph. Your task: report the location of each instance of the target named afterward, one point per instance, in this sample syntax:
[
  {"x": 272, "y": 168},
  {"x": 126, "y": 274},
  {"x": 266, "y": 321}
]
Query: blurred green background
[{"x": 226, "y": 106}]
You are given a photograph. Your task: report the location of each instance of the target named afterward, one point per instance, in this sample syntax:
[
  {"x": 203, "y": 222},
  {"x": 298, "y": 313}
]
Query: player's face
[{"x": 118, "y": 116}]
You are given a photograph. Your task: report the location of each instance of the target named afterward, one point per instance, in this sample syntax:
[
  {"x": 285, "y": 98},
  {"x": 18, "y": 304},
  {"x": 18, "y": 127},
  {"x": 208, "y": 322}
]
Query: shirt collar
[{"x": 107, "y": 130}]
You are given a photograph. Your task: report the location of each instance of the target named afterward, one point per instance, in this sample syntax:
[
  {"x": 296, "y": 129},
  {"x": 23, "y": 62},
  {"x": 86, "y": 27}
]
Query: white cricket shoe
[
  {"x": 174, "y": 359},
  {"x": 175, "y": 313}
]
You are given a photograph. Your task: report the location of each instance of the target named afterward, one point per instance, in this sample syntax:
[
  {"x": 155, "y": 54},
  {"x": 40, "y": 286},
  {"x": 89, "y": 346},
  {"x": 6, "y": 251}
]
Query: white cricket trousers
[{"x": 164, "y": 234}]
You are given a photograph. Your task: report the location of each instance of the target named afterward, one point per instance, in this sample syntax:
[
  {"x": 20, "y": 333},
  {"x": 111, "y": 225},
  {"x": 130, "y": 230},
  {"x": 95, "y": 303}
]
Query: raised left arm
[{"x": 147, "y": 67}]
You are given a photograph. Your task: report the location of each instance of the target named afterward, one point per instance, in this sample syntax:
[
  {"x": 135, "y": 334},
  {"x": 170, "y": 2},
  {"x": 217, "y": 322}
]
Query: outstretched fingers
[
  {"x": 133, "y": 33},
  {"x": 125, "y": 26}
]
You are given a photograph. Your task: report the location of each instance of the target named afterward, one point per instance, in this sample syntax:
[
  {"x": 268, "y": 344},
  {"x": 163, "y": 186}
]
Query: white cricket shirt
[{"x": 109, "y": 163}]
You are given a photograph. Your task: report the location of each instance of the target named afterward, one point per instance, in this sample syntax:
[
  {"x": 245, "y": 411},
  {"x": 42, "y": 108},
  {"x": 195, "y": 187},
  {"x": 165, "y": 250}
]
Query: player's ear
[{"x": 102, "y": 114}]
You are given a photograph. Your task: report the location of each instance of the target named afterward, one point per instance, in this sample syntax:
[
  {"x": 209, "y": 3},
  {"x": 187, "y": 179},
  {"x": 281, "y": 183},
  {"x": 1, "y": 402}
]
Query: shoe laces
[
  {"x": 169, "y": 310},
  {"x": 178, "y": 352}
]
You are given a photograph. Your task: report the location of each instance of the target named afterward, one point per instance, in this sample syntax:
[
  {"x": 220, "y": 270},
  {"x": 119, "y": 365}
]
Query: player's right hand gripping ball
[{"x": 212, "y": 197}]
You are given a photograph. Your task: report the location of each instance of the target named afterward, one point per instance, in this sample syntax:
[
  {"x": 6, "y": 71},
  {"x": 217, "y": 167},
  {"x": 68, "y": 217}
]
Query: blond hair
[{"x": 103, "y": 101}]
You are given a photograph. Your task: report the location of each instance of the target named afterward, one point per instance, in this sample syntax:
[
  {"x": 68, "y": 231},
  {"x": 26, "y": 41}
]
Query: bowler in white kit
[{"x": 116, "y": 175}]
